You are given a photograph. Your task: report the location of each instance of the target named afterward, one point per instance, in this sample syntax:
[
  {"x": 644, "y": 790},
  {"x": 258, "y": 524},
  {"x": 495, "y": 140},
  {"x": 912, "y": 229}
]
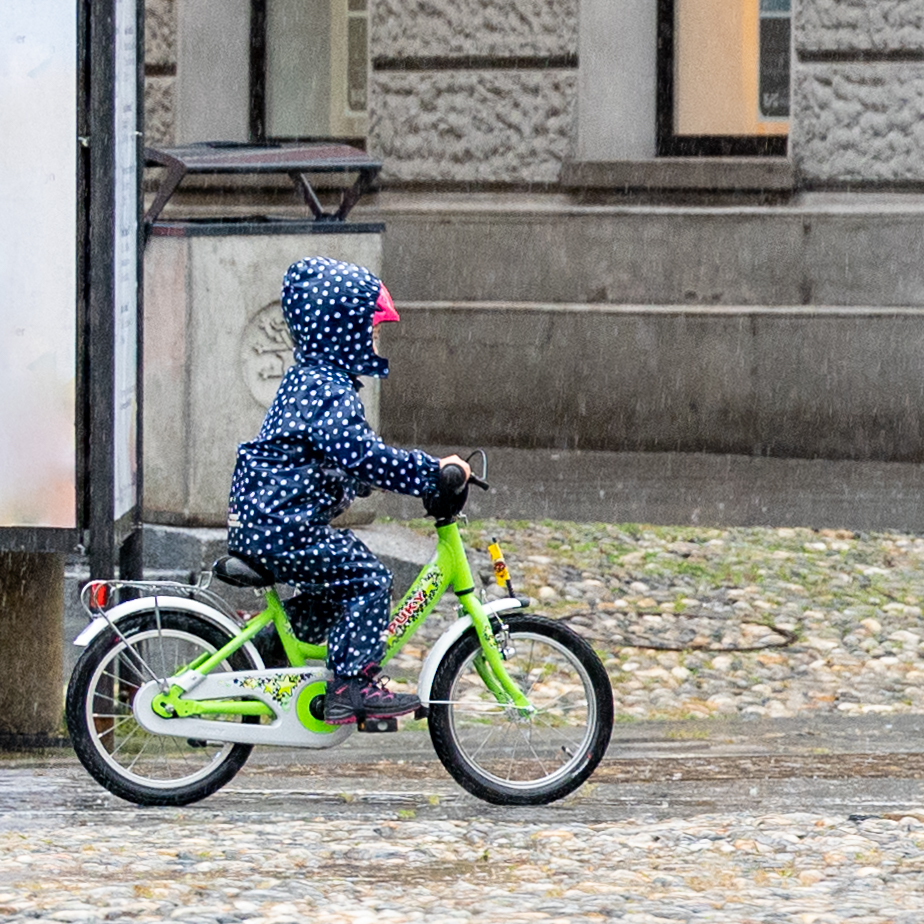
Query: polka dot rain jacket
[{"x": 315, "y": 453}]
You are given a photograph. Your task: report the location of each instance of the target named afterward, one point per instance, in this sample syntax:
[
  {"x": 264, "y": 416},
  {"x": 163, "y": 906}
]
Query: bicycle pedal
[
  {"x": 421, "y": 712},
  {"x": 377, "y": 726}
]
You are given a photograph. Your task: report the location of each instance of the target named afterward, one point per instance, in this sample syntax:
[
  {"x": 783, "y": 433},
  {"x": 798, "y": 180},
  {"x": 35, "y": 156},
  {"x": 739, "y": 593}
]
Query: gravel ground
[
  {"x": 757, "y": 624},
  {"x": 714, "y": 622},
  {"x": 207, "y": 868}
]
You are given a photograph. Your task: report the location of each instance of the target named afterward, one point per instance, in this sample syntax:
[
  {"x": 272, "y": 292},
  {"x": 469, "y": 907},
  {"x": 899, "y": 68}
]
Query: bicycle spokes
[{"x": 507, "y": 753}]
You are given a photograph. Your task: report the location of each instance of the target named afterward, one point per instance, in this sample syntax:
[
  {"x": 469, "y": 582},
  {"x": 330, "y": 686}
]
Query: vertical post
[
  {"x": 128, "y": 286},
  {"x": 100, "y": 316},
  {"x": 131, "y": 564},
  {"x": 258, "y": 70},
  {"x": 114, "y": 273},
  {"x": 616, "y": 80},
  {"x": 31, "y": 645}
]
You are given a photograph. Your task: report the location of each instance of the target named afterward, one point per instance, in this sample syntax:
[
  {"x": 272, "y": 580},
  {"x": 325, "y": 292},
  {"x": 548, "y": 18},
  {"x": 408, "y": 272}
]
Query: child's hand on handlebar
[
  {"x": 459, "y": 461},
  {"x": 451, "y": 492}
]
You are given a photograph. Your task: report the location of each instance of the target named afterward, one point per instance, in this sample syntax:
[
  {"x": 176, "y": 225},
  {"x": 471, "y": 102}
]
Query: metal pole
[
  {"x": 101, "y": 317},
  {"x": 131, "y": 550}
]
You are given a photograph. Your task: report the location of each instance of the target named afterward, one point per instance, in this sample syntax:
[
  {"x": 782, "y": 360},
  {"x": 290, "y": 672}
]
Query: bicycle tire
[
  {"x": 118, "y": 753},
  {"x": 506, "y": 758}
]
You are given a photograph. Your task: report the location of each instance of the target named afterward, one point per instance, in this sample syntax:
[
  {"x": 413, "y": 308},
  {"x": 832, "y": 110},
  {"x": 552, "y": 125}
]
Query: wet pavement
[
  {"x": 652, "y": 769},
  {"x": 814, "y": 821}
]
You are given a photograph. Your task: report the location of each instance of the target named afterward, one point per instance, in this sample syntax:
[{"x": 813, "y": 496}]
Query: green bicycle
[{"x": 170, "y": 696}]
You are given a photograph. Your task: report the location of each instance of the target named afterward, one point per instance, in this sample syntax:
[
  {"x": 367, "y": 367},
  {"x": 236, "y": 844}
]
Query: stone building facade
[
  {"x": 859, "y": 92},
  {"x": 611, "y": 297},
  {"x": 484, "y": 92}
]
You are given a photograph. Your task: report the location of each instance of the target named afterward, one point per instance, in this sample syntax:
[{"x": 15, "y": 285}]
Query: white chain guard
[{"x": 278, "y": 688}]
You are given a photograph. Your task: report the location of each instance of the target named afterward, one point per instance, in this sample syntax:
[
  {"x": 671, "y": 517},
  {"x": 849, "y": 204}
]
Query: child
[{"x": 314, "y": 455}]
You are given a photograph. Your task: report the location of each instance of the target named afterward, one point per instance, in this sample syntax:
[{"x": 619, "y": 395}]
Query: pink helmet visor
[{"x": 384, "y": 308}]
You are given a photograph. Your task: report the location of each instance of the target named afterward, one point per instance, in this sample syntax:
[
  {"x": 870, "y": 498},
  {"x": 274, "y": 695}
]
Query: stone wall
[
  {"x": 858, "y": 250},
  {"x": 833, "y": 383},
  {"x": 476, "y": 91},
  {"x": 854, "y": 25},
  {"x": 160, "y": 46},
  {"x": 460, "y": 126},
  {"x": 474, "y": 27},
  {"x": 480, "y": 91},
  {"x": 858, "y": 91}
]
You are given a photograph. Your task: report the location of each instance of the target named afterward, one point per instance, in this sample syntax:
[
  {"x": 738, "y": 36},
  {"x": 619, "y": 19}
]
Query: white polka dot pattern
[{"x": 315, "y": 453}]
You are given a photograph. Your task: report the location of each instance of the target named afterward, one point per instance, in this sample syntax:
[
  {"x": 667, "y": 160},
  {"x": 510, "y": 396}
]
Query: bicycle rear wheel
[
  {"x": 509, "y": 758},
  {"x": 118, "y": 753}
]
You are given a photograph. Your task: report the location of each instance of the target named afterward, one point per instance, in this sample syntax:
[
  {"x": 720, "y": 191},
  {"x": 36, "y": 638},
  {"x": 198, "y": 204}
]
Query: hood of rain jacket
[{"x": 328, "y": 306}]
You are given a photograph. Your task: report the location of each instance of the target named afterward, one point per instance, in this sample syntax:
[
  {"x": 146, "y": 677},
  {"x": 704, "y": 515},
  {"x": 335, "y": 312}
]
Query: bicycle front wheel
[
  {"x": 118, "y": 753},
  {"x": 512, "y": 757}
]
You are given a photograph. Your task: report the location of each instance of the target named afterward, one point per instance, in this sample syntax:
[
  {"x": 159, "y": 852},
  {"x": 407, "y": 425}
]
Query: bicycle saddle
[{"x": 239, "y": 572}]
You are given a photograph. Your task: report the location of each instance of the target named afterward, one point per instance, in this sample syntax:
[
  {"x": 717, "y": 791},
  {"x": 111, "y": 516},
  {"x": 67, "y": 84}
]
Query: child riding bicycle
[{"x": 314, "y": 454}]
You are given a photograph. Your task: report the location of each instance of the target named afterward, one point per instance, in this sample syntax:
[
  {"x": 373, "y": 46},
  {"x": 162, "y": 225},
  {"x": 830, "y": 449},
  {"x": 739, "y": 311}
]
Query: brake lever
[{"x": 475, "y": 479}]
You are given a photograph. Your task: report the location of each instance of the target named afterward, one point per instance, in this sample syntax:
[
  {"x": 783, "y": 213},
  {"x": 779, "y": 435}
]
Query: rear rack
[{"x": 99, "y": 596}]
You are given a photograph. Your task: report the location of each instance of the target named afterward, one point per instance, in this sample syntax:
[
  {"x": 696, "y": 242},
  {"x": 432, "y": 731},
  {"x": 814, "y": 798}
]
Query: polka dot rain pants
[{"x": 334, "y": 565}]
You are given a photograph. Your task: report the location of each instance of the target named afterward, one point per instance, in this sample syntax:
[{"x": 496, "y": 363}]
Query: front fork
[
  {"x": 495, "y": 650},
  {"x": 452, "y": 561}
]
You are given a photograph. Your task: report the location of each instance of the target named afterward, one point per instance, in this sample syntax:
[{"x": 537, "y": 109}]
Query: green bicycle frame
[{"x": 449, "y": 567}]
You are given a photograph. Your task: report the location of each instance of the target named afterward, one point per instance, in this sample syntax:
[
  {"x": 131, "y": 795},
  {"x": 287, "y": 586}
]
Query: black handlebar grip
[{"x": 452, "y": 479}]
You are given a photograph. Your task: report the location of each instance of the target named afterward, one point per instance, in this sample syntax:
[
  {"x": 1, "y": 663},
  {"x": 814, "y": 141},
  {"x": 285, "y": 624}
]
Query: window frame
[
  {"x": 669, "y": 144},
  {"x": 344, "y": 124},
  {"x": 256, "y": 114}
]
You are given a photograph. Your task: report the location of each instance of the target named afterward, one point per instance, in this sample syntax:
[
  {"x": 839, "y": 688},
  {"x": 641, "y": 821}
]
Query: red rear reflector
[{"x": 99, "y": 595}]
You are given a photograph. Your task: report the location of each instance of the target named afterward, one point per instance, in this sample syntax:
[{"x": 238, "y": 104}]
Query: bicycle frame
[{"x": 449, "y": 567}]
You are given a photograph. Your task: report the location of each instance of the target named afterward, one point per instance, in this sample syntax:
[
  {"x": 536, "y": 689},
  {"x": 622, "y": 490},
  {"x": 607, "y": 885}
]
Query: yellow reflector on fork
[{"x": 500, "y": 566}]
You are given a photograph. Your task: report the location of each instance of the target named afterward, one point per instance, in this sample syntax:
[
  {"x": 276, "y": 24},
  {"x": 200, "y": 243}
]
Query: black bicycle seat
[{"x": 239, "y": 572}]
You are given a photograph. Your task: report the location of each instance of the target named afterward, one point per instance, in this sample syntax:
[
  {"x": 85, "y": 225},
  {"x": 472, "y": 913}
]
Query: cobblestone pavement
[
  {"x": 695, "y": 622},
  {"x": 767, "y": 766},
  {"x": 683, "y": 822}
]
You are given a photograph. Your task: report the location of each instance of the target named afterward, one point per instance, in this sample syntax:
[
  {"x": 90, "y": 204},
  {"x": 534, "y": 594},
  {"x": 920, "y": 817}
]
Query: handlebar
[
  {"x": 453, "y": 480},
  {"x": 449, "y": 499}
]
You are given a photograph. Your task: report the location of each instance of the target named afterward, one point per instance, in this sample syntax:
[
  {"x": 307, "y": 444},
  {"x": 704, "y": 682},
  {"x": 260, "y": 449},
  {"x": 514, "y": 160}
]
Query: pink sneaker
[{"x": 355, "y": 699}]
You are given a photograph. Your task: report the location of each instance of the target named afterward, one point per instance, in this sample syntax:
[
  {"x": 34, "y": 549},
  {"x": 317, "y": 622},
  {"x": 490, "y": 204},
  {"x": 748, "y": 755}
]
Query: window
[
  {"x": 309, "y": 69},
  {"x": 307, "y": 76},
  {"x": 355, "y": 81},
  {"x": 723, "y": 77},
  {"x": 774, "y": 54}
]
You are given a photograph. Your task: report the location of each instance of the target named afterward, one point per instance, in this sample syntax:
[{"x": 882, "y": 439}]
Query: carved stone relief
[{"x": 266, "y": 352}]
